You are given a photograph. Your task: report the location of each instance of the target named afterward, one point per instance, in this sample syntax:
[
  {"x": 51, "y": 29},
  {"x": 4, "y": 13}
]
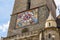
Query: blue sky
[{"x": 6, "y": 7}]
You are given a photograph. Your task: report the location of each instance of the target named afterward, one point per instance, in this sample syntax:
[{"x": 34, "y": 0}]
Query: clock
[{"x": 27, "y": 18}]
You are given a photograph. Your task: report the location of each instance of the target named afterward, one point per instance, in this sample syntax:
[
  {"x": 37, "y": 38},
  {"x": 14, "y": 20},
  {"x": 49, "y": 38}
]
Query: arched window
[
  {"x": 49, "y": 24},
  {"x": 28, "y": 4},
  {"x": 49, "y": 36}
]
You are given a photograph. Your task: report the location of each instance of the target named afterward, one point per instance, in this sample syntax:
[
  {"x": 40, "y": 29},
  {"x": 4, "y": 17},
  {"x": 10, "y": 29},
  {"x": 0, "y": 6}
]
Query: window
[
  {"x": 28, "y": 4},
  {"x": 49, "y": 24},
  {"x": 49, "y": 36}
]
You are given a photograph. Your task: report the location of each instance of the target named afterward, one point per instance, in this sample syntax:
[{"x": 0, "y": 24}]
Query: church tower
[
  {"x": 28, "y": 19},
  {"x": 40, "y": 7},
  {"x": 51, "y": 32},
  {"x": 50, "y": 22}
]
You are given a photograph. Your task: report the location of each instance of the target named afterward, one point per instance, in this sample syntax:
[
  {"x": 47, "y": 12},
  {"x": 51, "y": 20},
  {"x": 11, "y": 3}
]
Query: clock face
[{"x": 27, "y": 18}]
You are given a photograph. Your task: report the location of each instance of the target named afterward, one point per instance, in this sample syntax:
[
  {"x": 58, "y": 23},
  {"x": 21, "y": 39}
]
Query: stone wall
[
  {"x": 37, "y": 35},
  {"x": 51, "y": 33},
  {"x": 25, "y": 36},
  {"x": 21, "y": 5},
  {"x": 42, "y": 16}
]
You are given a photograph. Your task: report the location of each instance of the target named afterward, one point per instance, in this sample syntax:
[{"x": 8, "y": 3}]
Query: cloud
[
  {"x": 6, "y": 7},
  {"x": 58, "y": 5},
  {"x": 57, "y": 2},
  {"x": 4, "y": 27}
]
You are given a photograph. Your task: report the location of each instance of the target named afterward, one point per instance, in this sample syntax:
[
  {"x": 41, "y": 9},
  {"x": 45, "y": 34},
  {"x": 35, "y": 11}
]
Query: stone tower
[
  {"x": 51, "y": 31},
  {"x": 29, "y": 17},
  {"x": 43, "y": 6},
  {"x": 50, "y": 21}
]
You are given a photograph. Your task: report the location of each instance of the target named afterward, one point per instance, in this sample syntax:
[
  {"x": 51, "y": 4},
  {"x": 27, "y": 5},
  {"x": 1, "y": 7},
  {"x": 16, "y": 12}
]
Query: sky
[
  {"x": 58, "y": 6},
  {"x": 6, "y": 8}
]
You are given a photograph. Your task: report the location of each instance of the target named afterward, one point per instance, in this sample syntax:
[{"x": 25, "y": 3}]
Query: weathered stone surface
[{"x": 44, "y": 6}]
